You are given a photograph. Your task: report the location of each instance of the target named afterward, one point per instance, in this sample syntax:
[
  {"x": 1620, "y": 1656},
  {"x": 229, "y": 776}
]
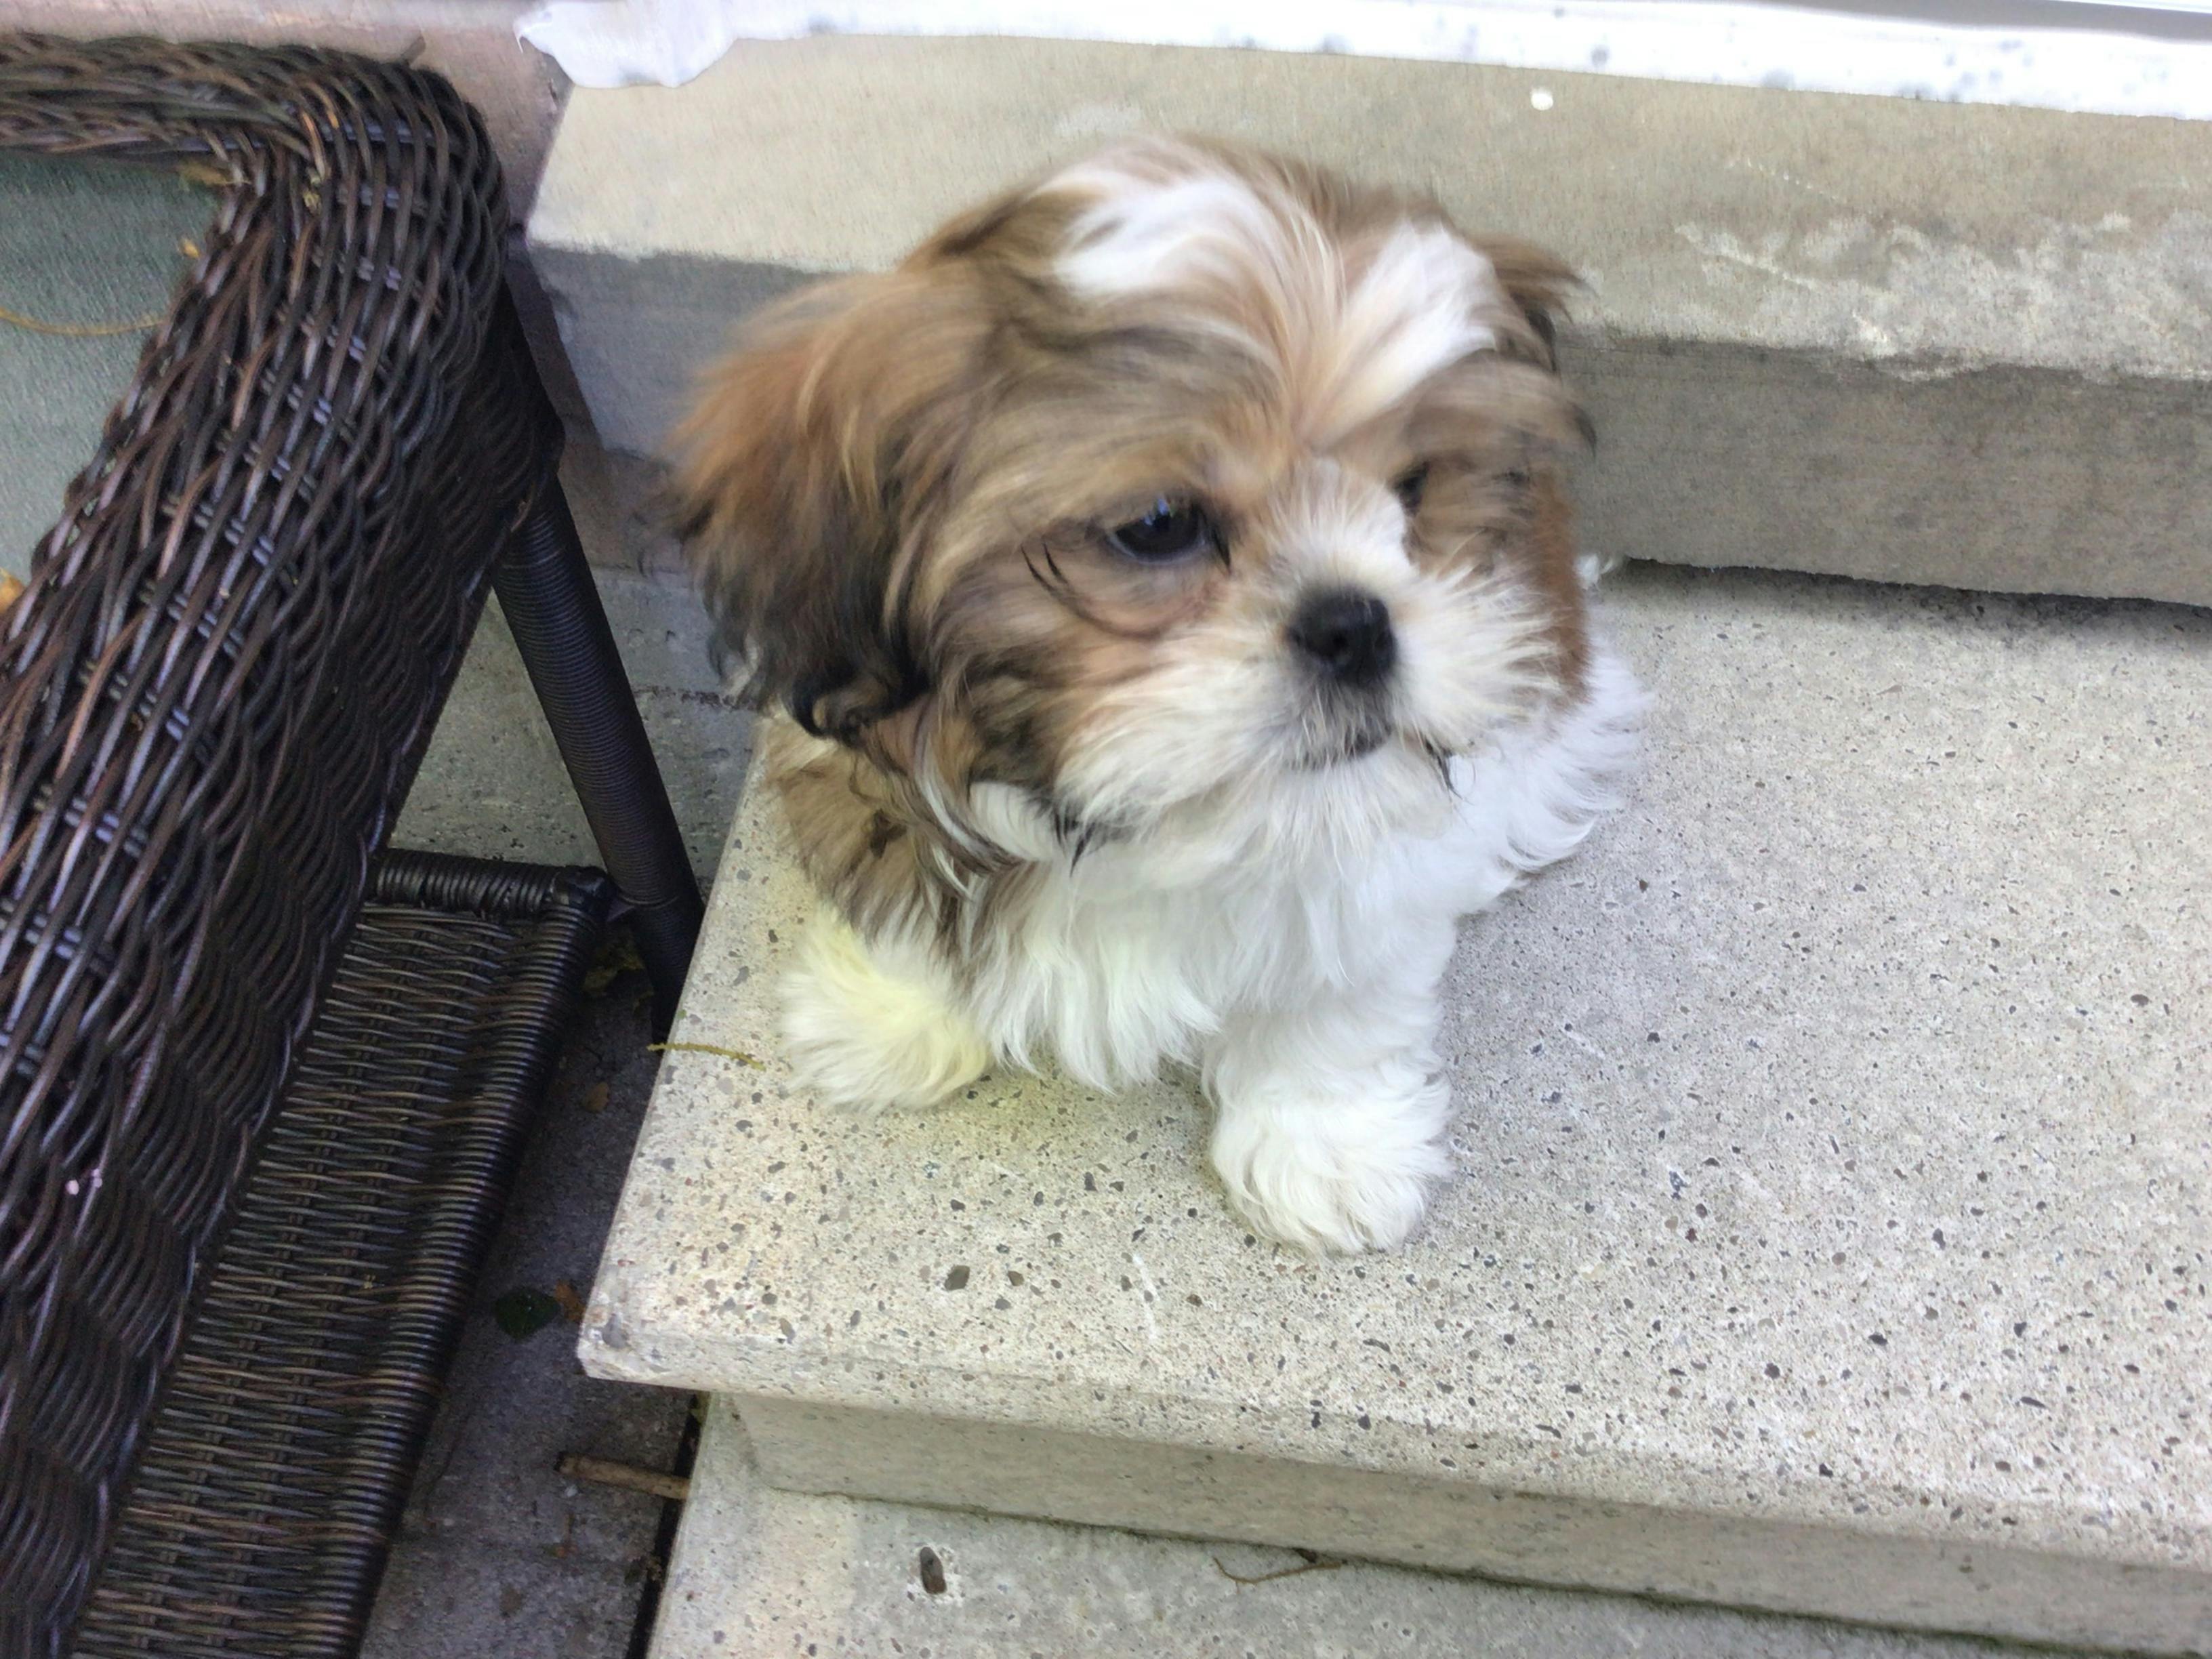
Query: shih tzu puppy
[{"x": 1162, "y": 589}]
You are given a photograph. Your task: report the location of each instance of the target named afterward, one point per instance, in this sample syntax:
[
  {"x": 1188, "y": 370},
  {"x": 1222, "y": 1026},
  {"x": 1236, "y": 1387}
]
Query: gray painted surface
[{"x": 83, "y": 245}]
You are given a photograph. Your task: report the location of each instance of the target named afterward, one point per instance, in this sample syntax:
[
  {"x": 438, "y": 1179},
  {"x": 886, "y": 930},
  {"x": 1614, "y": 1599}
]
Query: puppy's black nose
[{"x": 1347, "y": 632}]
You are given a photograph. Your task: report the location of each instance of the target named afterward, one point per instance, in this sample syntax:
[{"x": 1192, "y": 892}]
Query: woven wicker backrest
[{"x": 213, "y": 694}]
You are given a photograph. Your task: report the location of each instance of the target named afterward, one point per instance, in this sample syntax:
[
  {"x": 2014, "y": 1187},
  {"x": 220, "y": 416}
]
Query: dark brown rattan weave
[
  {"x": 212, "y": 696},
  {"x": 275, "y": 1469}
]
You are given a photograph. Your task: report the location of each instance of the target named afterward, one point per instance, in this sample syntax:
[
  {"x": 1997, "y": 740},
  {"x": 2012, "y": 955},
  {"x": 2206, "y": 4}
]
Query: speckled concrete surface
[
  {"x": 1834, "y": 1147},
  {"x": 759, "y": 1572}
]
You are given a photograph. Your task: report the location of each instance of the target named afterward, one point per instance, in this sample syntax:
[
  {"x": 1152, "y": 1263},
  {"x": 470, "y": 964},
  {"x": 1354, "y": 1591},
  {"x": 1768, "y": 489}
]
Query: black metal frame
[{"x": 552, "y": 608}]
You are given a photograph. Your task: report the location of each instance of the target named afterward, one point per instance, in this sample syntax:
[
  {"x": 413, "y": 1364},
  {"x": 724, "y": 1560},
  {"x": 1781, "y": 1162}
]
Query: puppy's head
[{"x": 1187, "y": 481}]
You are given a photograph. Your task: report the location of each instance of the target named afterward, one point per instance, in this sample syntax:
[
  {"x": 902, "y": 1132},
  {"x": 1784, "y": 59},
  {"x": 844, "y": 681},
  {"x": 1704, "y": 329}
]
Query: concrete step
[
  {"x": 1875, "y": 337},
  {"x": 1835, "y": 1142},
  {"x": 761, "y": 1574}
]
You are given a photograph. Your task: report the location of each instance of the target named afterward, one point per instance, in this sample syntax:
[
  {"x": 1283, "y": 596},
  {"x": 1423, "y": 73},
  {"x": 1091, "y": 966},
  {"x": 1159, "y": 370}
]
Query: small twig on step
[
  {"x": 79, "y": 331},
  {"x": 1309, "y": 1562},
  {"x": 737, "y": 1055},
  {"x": 605, "y": 1472}
]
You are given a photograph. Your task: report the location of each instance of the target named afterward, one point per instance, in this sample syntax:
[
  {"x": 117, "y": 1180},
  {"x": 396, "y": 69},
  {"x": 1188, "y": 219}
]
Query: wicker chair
[{"x": 262, "y": 1082}]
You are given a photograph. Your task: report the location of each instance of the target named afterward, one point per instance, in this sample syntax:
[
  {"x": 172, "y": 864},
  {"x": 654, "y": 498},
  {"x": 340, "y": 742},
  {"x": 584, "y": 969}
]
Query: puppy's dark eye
[
  {"x": 1170, "y": 532},
  {"x": 1409, "y": 484}
]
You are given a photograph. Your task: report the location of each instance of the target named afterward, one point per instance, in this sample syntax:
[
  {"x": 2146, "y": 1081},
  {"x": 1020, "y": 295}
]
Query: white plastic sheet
[{"x": 1908, "y": 51}]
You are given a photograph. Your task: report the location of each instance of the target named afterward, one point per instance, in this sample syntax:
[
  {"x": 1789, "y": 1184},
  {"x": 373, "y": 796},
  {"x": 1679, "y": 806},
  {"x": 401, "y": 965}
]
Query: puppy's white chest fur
[{"x": 1292, "y": 957}]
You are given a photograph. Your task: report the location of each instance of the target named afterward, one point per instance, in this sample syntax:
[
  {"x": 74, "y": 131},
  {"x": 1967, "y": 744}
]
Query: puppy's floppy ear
[
  {"x": 805, "y": 478},
  {"x": 1538, "y": 283}
]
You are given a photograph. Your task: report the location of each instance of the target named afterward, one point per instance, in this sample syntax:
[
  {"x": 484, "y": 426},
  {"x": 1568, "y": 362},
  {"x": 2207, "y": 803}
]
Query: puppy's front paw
[
  {"x": 867, "y": 1039},
  {"x": 1327, "y": 1179}
]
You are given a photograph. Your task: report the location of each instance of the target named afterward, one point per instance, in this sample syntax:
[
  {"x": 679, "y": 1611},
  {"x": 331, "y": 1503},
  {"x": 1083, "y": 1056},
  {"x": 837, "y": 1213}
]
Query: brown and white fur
[{"x": 1163, "y": 589}]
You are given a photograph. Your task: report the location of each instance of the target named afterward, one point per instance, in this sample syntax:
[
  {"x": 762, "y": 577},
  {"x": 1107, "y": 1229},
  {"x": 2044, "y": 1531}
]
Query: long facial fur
[{"x": 895, "y": 489}]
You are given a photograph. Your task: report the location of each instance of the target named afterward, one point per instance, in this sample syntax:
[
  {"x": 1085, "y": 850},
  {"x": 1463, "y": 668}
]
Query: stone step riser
[
  {"x": 1807, "y": 344},
  {"x": 761, "y": 1574},
  {"x": 1921, "y": 1582}
]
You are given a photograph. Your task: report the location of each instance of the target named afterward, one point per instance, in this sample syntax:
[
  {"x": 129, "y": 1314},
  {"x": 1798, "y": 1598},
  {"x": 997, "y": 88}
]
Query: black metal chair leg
[{"x": 552, "y": 607}]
